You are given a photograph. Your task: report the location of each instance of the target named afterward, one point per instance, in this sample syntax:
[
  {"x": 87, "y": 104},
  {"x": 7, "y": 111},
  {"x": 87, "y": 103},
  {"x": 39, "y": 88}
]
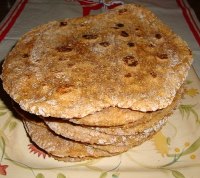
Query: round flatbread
[{"x": 124, "y": 58}]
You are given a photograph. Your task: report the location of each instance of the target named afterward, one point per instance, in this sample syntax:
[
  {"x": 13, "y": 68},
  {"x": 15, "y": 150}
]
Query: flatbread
[
  {"x": 110, "y": 135},
  {"x": 90, "y": 136},
  {"x": 132, "y": 141},
  {"x": 58, "y": 146},
  {"x": 110, "y": 117},
  {"x": 62, "y": 147},
  {"x": 124, "y": 58}
]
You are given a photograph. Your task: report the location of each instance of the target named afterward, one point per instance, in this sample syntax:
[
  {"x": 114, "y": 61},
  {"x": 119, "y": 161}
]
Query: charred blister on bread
[
  {"x": 124, "y": 34},
  {"x": 63, "y": 23},
  {"x": 162, "y": 56},
  {"x": 131, "y": 44},
  {"x": 158, "y": 36},
  {"x": 130, "y": 61},
  {"x": 122, "y": 11},
  {"x": 90, "y": 36},
  {"x": 104, "y": 44},
  {"x": 153, "y": 74},
  {"x": 25, "y": 55},
  {"x": 64, "y": 48},
  {"x": 65, "y": 88},
  {"x": 128, "y": 75},
  {"x": 120, "y": 25}
]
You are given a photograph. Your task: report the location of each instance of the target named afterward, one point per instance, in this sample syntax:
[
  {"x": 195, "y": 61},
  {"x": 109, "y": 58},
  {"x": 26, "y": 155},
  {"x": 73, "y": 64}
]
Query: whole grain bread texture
[
  {"x": 61, "y": 147},
  {"x": 117, "y": 135},
  {"x": 114, "y": 117},
  {"x": 124, "y": 58}
]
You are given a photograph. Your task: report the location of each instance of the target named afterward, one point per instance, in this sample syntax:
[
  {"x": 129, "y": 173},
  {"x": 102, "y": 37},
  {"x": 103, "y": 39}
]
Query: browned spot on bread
[
  {"x": 120, "y": 25},
  {"x": 62, "y": 59},
  {"x": 163, "y": 56},
  {"x": 158, "y": 35},
  {"x": 153, "y": 74},
  {"x": 25, "y": 55},
  {"x": 104, "y": 44},
  {"x": 128, "y": 75},
  {"x": 124, "y": 34},
  {"x": 65, "y": 88},
  {"x": 70, "y": 65},
  {"x": 90, "y": 36},
  {"x": 130, "y": 61},
  {"x": 131, "y": 44},
  {"x": 63, "y": 24},
  {"x": 122, "y": 11},
  {"x": 64, "y": 48}
]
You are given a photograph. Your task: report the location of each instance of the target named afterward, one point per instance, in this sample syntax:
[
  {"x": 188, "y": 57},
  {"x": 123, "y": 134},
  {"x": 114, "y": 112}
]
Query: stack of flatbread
[{"x": 96, "y": 86}]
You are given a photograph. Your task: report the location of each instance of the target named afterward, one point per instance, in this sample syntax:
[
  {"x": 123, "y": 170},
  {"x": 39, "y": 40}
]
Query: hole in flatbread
[
  {"x": 25, "y": 55},
  {"x": 64, "y": 48},
  {"x": 90, "y": 36},
  {"x": 124, "y": 34},
  {"x": 104, "y": 44},
  {"x": 131, "y": 44},
  {"x": 130, "y": 61},
  {"x": 153, "y": 74},
  {"x": 128, "y": 75},
  {"x": 163, "y": 56},
  {"x": 62, "y": 24},
  {"x": 122, "y": 11},
  {"x": 158, "y": 35}
]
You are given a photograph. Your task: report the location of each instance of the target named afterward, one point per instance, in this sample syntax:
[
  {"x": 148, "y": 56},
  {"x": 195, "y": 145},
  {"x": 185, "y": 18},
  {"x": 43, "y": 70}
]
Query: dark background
[
  {"x": 5, "y": 5},
  {"x": 195, "y": 4}
]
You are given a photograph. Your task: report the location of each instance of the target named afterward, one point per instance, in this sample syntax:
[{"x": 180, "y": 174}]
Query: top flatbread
[{"x": 123, "y": 58}]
